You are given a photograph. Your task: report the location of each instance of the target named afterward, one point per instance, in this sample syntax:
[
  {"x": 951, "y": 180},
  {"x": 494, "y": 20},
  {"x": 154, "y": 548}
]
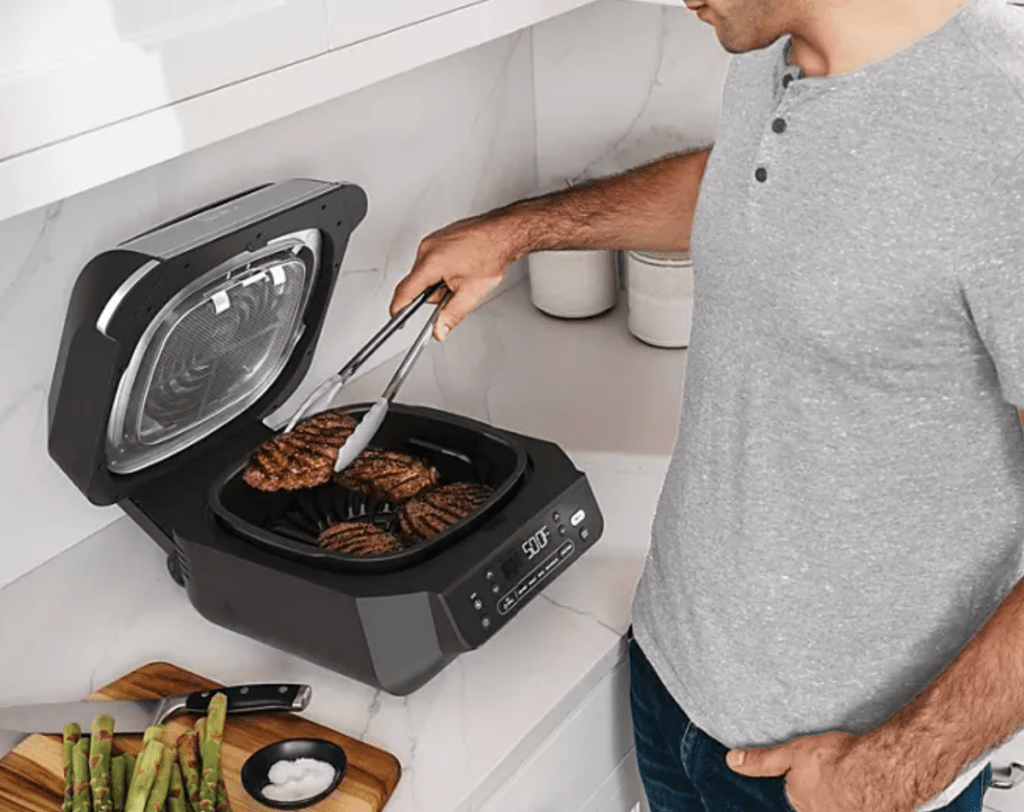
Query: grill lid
[
  {"x": 211, "y": 352},
  {"x": 178, "y": 339}
]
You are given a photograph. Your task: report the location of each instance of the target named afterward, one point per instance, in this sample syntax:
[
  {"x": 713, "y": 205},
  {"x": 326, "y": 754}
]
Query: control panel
[{"x": 521, "y": 567}]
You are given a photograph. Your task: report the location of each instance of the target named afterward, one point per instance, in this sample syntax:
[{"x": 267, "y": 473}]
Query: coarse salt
[{"x": 298, "y": 780}]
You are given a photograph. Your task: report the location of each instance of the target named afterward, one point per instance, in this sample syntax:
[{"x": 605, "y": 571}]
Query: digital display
[
  {"x": 512, "y": 566},
  {"x": 528, "y": 550}
]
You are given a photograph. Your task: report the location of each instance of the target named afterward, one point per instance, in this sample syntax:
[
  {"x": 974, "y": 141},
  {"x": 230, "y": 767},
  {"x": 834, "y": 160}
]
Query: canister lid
[{"x": 663, "y": 258}]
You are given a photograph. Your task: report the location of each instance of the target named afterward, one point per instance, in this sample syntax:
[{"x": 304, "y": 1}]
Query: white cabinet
[
  {"x": 351, "y": 21},
  {"x": 92, "y": 90},
  {"x": 586, "y": 765},
  {"x": 71, "y": 66}
]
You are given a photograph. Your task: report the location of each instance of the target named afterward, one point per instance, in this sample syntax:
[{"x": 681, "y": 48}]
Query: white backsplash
[
  {"x": 593, "y": 92},
  {"x": 620, "y": 83},
  {"x": 429, "y": 147}
]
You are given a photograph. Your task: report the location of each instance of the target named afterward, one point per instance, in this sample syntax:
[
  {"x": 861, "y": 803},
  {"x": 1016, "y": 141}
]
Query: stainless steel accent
[
  {"x": 1007, "y": 777},
  {"x": 328, "y": 390},
  {"x": 360, "y": 438},
  {"x": 303, "y": 698},
  {"x": 206, "y": 226},
  {"x": 130, "y": 716},
  {"x": 417, "y": 349},
  {"x": 129, "y": 447},
  {"x": 177, "y": 238},
  {"x": 114, "y": 302}
]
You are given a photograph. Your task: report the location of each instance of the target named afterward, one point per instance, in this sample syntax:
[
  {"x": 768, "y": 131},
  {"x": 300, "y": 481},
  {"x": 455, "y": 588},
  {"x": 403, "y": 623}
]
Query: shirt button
[
  {"x": 779, "y": 125},
  {"x": 761, "y": 174}
]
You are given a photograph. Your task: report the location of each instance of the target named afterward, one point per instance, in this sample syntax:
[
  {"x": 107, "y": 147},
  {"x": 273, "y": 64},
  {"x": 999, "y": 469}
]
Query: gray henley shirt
[{"x": 845, "y": 505}]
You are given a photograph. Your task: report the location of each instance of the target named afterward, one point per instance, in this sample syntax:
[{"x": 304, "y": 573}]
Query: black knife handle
[{"x": 250, "y": 698}]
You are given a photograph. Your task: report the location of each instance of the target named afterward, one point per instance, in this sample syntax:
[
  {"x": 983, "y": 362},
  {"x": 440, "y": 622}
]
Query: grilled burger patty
[
  {"x": 435, "y": 511},
  {"x": 388, "y": 475},
  {"x": 358, "y": 538},
  {"x": 303, "y": 457}
]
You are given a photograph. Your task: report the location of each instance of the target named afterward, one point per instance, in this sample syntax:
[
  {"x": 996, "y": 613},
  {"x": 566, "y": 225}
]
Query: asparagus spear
[
  {"x": 210, "y": 738},
  {"x": 100, "y": 742},
  {"x": 176, "y": 797},
  {"x": 117, "y": 782},
  {"x": 129, "y": 772},
  {"x": 146, "y": 769},
  {"x": 153, "y": 734},
  {"x": 162, "y": 786},
  {"x": 72, "y": 733},
  {"x": 81, "y": 800},
  {"x": 223, "y": 804},
  {"x": 188, "y": 759}
]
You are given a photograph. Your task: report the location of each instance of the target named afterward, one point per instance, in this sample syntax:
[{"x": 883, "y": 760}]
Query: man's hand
[
  {"x": 818, "y": 777},
  {"x": 470, "y": 257}
]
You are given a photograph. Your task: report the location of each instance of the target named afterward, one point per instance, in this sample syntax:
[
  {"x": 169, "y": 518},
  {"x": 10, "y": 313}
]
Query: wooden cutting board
[{"x": 32, "y": 775}]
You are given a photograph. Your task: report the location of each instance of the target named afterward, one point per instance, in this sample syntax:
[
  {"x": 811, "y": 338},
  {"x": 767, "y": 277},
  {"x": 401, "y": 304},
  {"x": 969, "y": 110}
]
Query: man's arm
[
  {"x": 976, "y": 703},
  {"x": 650, "y": 208},
  {"x": 646, "y": 208}
]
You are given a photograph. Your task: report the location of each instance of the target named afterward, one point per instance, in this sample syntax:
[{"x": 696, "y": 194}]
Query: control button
[
  {"x": 521, "y": 590},
  {"x": 779, "y": 125},
  {"x": 761, "y": 174},
  {"x": 478, "y": 604},
  {"x": 561, "y": 529},
  {"x": 556, "y": 516},
  {"x": 486, "y": 622},
  {"x": 584, "y": 534},
  {"x": 577, "y": 517},
  {"x": 506, "y": 603},
  {"x": 495, "y": 588},
  {"x": 490, "y": 575},
  {"x": 566, "y": 550},
  {"x": 532, "y": 581},
  {"x": 787, "y": 80}
]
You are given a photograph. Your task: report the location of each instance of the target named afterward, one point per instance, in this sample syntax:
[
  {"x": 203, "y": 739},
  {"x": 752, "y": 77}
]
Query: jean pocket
[{"x": 786, "y": 803}]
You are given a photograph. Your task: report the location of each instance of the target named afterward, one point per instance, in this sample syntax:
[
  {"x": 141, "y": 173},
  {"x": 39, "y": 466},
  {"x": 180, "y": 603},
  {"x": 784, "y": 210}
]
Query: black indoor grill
[{"x": 180, "y": 341}]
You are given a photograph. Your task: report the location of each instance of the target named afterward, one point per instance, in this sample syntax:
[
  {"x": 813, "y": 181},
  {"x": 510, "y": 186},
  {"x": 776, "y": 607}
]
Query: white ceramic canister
[
  {"x": 573, "y": 284},
  {"x": 660, "y": 290}
]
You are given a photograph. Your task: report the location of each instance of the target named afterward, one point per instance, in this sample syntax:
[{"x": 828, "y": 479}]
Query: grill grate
[{"x": 313, "y": 510}]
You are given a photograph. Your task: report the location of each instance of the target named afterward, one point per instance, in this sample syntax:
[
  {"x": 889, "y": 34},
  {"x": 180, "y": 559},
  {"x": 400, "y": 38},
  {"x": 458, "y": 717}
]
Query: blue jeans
[{"x": 683, "y": 769}]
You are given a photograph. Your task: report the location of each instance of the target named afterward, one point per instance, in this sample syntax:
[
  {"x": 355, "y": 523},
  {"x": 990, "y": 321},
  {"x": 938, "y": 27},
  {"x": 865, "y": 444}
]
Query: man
[{"x": 833, "y": 588}]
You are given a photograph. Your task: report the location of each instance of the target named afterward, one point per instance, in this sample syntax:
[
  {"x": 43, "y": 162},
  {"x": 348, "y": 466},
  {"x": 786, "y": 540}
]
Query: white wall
[
  {"x": 620, "y": 83},
  {"x": 429, "y": 146}
]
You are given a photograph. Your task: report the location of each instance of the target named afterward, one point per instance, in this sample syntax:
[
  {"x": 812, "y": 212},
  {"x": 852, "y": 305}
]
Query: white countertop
[{"x": 107, "y": 606}]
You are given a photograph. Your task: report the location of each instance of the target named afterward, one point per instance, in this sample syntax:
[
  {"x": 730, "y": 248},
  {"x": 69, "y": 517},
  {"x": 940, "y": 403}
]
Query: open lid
[{"x": 181, "y": 336}]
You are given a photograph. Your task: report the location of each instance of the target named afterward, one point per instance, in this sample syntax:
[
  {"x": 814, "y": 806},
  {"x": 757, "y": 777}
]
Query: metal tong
[{"x": 328, "y": 390}]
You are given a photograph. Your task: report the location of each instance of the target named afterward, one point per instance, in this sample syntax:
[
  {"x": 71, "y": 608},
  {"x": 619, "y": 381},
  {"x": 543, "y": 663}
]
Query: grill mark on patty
[
  {"x": 358, "y": 538},
  {"x": 388, "y": 475},
  {"x": 302, "y": 458},
  {"x": 435, "y": 511}
]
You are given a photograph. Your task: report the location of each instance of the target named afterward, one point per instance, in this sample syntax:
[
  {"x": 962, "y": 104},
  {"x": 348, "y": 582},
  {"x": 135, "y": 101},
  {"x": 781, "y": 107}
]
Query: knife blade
[{"x": 135, "y": 715}]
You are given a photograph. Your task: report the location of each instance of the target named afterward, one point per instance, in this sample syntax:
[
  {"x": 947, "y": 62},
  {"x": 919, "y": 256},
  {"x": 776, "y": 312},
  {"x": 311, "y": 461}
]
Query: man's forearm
[
  {"x": 976, "y": 703},
  {"x": 649, "y": 208}
]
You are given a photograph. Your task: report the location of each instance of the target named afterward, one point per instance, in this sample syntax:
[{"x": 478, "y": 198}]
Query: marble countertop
[{"x": 107, "y": 605}]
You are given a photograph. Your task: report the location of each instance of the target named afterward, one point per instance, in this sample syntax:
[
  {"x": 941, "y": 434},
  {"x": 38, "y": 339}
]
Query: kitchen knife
[{"x": 135, "y": 715}]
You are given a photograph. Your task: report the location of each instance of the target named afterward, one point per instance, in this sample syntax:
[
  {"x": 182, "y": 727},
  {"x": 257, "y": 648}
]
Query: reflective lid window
[{"x": 211, "y": 353}]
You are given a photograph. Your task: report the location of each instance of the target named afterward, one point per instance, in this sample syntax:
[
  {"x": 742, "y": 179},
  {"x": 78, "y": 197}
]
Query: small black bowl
[{"x": 256, "y": 769}]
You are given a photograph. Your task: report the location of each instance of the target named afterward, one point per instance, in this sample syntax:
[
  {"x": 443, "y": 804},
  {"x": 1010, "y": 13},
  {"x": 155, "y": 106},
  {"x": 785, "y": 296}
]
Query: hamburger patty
[
  {"x": 303, "y": 457},
  {"x": 358, "y": 538},
  {"x": 435, "y": 511},
  {"x": 388, "y": 475}
]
